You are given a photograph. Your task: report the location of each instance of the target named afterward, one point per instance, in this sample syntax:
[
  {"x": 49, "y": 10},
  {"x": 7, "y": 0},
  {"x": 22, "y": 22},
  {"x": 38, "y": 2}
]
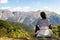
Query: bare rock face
[{"x": 5, "y": 14}]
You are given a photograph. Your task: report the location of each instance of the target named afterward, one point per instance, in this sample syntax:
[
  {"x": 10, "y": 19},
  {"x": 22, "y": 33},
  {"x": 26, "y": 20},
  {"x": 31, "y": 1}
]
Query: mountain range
[{"x": 30, "y": 18}]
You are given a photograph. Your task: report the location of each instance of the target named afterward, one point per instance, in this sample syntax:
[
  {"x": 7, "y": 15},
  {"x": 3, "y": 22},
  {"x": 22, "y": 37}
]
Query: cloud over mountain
[{"x": 18, "y": 8}]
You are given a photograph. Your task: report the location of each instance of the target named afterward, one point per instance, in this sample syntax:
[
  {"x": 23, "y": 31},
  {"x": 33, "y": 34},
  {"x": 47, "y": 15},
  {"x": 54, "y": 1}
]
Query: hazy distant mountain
[
  {"x": 55, "y": 20},
  {"x": 29, "y": 18},
  {"x": 5, "y": 14},
  {"x": 21, "y": 16}
]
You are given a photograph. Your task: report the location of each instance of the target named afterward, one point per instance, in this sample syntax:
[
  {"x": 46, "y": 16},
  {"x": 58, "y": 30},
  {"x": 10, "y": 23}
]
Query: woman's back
[{"x": 43, "y": 23}]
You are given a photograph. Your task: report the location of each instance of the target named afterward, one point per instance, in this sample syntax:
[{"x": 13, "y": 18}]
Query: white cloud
[
  {"x": 5, "y": 7},
  {"x": 54, "y": 9},
  {"x": 20, "y": 9},
  {"x": 16, "y": 9},
  {"x": 57, "y": 11},
  {"x": 26, "y": 8},
  {"x": 46, "y": 8},
  {"x": 3, "y": 1}
]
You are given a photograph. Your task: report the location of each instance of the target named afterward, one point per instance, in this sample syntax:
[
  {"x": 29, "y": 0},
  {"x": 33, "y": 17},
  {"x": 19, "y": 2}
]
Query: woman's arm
[
  {"x": 50, "y": 26},
  {"x": 37, "y": 28}
]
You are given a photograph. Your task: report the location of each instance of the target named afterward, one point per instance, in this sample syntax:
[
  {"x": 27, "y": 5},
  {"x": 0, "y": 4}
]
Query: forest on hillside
[{"x": 20, "y": 30}]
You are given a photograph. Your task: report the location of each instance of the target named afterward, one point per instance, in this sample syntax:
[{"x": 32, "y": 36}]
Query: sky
[{"x": 31, "y": 5}]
